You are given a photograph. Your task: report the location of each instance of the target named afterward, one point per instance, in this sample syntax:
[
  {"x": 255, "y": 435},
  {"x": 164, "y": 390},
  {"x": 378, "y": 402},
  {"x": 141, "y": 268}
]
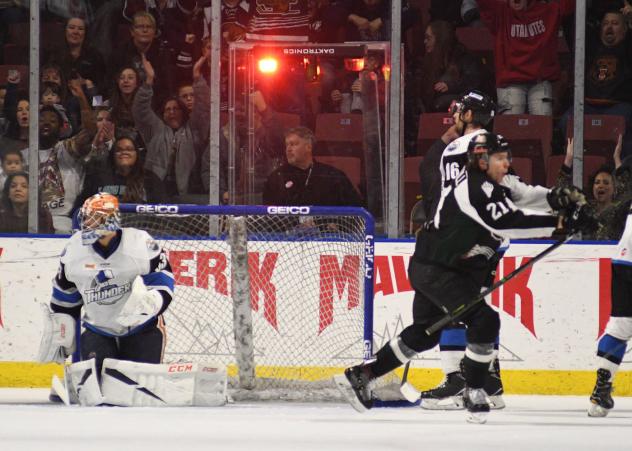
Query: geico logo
[
  {"x": 57, "y": 203},
  {"x": 288, "y": 210},
  {"x": 156, "y": 209},
  {"x": 180, "y": 368}
]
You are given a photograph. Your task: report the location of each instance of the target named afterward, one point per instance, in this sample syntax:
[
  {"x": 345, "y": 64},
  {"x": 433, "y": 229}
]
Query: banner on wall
[{"x": 551, "y": 315}]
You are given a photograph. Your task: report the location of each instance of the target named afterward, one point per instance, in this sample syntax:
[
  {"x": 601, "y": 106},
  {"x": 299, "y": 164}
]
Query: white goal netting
[{"x": 281, "y": 298}]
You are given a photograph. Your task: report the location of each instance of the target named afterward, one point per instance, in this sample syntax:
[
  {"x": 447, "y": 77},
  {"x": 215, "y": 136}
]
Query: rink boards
[{"x": 552, "y": 315}]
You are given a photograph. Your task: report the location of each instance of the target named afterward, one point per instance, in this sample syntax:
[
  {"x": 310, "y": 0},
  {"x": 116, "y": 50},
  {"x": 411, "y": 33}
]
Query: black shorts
[
  {"x": 146, "y": 346},
  {"x": 621, "y": 291},
  {"x": 438, "y": 290}
]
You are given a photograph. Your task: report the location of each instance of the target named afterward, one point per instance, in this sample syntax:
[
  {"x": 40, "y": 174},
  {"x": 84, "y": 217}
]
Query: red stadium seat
[
  {"x": 601, "y": 133},
  {"x": 351, "y": 166},
  {"x": 530, "y": 137},
  {"x": 339, "y": 134},
  {"x": 591, "y": 164},
  {"x": 524, "y": 168},
  {"x": 431, "y": 127},
  {"x": 24, "y": 74}
]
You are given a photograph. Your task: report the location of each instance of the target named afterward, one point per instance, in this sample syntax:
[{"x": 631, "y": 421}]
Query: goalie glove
[
  {"x": 58, "y": 337},
  {"x": 141, "y": 306}
]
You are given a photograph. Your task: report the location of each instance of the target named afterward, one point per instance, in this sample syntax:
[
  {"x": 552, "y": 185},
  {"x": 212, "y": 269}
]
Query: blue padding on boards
[{"x": 611, "y": 348}]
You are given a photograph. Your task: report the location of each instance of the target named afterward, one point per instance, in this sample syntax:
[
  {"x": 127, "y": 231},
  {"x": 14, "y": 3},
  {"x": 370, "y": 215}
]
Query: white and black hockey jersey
[
  {"x": 454, "y": 163},
  {"x": 472, "y": 220},
  {"x": 623, "y": 255},
  {"x": 454, "y": 158},
  {"x": 101, "y": 280}
]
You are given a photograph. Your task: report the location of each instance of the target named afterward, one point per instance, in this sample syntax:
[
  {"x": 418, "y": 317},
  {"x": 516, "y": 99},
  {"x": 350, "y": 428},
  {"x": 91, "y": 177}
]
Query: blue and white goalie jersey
[{"x": 101, "y": 282}]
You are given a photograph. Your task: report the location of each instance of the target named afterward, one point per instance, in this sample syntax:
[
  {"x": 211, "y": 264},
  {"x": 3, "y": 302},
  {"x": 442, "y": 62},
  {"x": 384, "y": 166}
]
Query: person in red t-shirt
[{"x": 525, "y": 51}]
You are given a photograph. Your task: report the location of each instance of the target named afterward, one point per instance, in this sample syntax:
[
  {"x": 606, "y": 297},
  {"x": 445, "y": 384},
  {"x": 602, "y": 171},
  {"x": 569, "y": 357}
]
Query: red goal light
[
  {"x": 268, "y": 65},
  {"x": 354, "y": 64}
]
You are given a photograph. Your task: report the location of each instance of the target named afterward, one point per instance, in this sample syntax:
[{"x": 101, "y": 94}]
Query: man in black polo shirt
[{"x": 304, "y": 181}]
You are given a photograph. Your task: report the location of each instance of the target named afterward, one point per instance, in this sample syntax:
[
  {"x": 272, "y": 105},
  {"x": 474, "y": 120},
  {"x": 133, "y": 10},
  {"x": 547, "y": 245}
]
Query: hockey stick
[
  {"x": 464, "y": 308},
  {"x": 410, "y": 393}
]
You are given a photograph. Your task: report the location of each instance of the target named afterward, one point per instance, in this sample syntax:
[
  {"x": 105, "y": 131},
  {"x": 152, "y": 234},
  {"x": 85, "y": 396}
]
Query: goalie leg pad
[
  {"x": 58, "y": 337},
  {"x": 83, "y": 378},
  {"x": 126, "y": 383}
]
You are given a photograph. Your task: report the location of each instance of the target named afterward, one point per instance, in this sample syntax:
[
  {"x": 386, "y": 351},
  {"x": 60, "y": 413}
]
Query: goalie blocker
[{"x": 131, "y": 384}]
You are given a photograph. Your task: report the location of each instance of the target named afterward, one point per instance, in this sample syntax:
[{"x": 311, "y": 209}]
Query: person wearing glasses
[{"x": 120, "y": 172}]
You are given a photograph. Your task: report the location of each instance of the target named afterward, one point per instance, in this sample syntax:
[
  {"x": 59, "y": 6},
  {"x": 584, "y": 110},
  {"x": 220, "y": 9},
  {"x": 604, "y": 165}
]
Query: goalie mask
[{"x": 99, "y": 216}]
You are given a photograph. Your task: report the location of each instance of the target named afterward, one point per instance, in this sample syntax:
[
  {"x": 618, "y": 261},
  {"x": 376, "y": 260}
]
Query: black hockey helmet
[
  {"x": 503, "y": 145},
  {"x": 485, "y": 144},
  {"x": 482, "y": 106}
]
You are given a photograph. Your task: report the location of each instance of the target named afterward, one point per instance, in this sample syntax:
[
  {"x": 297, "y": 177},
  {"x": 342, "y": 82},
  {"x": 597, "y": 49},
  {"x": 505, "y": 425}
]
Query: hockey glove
[
  {"x": 58, "y": 337},
  {"x": 580, "y": 219},
  {"x": 141, "y": 306},
  {"x": 561, "y": 198}
]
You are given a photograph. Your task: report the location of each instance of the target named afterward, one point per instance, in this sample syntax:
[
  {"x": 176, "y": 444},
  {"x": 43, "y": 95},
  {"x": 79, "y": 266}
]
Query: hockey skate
[
  {"x": 494, "y": 388},
  {"x": 447, "y": 396},
  {"x": 354, "y": 384},
  {"x": 601, "y": 399},
  {"x": 477, "y": 405}
]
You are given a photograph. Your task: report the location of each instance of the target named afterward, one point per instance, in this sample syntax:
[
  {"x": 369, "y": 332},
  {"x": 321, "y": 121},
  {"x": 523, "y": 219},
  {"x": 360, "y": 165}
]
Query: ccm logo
[
  {"x": 156, "y": 208},
  {"x": 180, "y": 368},
  {"x": 288, "y": 210}
]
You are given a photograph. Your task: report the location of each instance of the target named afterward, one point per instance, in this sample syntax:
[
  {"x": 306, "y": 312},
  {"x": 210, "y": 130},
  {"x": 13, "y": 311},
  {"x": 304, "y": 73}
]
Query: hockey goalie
[{"x": 118, "y": 282}]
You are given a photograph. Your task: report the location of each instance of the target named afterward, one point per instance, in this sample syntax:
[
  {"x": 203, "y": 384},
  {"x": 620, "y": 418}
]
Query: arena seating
[
  {"x": 431, "y": 127},
  {"x": 530, "y": 137},
  {"x": 601, "y": 133},
  {"x": 591, "y": 164}
]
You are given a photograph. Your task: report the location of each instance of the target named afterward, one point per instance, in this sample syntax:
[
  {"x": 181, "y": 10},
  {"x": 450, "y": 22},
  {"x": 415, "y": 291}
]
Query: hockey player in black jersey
[{"x": 451, "y": 261}]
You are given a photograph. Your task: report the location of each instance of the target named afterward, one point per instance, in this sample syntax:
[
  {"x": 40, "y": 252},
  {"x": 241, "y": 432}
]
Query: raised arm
[
  {"x": 200, "y": 116},
  {"x": 79, "y": 145},
  {"x": 147, "y": 121}
]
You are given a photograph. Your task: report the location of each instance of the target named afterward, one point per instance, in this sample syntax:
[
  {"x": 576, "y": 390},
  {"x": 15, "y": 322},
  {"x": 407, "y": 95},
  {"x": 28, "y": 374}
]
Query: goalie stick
[{"x": 411, "y": 393}]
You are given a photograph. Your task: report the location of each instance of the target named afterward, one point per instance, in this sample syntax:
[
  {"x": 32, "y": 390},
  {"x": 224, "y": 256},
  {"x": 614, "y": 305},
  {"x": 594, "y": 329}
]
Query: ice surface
[{"x": 28, "y": 422}]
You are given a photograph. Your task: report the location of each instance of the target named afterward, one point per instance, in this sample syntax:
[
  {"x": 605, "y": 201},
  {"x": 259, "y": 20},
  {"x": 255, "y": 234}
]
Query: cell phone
[{"x": 97, "y": 101}]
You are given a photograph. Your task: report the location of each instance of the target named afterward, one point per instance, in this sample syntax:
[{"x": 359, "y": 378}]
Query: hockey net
[{"x": 281, "y": 295}]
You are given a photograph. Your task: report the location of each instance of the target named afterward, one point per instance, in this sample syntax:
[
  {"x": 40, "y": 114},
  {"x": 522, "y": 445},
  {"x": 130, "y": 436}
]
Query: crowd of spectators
[{"x": 124, "y": 94}]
